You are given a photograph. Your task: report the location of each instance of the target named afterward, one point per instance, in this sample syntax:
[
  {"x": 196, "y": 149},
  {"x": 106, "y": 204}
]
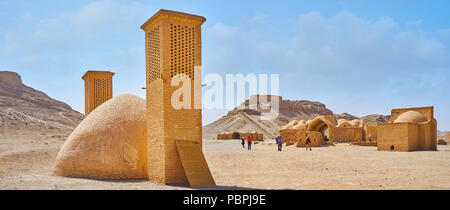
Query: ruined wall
[
  {"x": 372, "y": 131},
  {"x": 255, "y": 136},
  {"x": 346, "y": 134},
  {"x": 288, "y": 135},
  {"x": 299, "y": 136},
  {"x": 225, "y": 136},
  {"x": 237, "y": 135},
  {"x": 315, "y": 137},
  {"x": 262, "y": 98}
]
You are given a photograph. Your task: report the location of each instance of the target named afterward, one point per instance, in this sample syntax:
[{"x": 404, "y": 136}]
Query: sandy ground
[{"x": 26, "y": 162}]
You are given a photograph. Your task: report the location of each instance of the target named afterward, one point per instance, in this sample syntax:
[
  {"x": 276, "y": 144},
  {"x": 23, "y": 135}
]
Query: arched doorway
[
  {"x": 236, "y": 135},
  {"x": 323, "y": 124}
]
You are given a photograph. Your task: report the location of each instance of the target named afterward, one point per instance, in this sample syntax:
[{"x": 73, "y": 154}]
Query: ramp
[
  {"x": 257, "y": 125},
  {"x": 194, "y": 164}
]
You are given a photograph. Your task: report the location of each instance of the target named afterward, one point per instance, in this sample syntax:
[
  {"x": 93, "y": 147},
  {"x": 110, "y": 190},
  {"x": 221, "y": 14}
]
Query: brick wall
[
  {"x": 97, "y": 89},
  {"x": 238, "y": 135},
  {"x": 176, "y": 39}
]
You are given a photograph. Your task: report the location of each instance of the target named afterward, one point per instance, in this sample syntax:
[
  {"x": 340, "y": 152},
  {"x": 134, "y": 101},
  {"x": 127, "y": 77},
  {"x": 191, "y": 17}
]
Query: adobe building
[
  {"x": 173, "y": 47},
  {"x": 97, "y": 89},
  {"x": 321, "y": 127},
  {"x": 110, "y": 142},
  {"x": 238, "y": 135},
  {"x": 371, "y": 132},
  {"x": 409, "y": 129}
]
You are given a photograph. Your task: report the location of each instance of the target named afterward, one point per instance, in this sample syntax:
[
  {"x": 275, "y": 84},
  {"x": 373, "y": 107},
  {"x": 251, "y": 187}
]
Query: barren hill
[
  {"x": 375, "y": 119},
  {"x": 345, "y": 116},
  {"x": 24, "y": 108}
]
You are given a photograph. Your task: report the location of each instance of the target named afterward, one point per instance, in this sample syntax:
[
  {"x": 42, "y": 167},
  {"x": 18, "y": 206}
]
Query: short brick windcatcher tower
[
  {"x": 97, "y": 89},
  {"x": 173, "y": 46}
]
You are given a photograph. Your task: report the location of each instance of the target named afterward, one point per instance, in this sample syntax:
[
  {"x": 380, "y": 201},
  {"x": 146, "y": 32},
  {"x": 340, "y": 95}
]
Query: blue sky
[{"x": 359, "y": 57}]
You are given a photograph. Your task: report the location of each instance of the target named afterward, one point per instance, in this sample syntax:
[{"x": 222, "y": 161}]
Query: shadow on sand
[{"x": 218, "y": 187}]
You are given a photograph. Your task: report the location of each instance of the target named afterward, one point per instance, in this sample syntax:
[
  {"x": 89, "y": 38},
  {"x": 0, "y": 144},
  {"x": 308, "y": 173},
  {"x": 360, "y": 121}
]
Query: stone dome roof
[
  {"x": 110, "y": 143},
  {"x": 357, "y": 123},
  {"x": 411, "y": 117},
  {"x": 344, "y": 124},
  {"x": 300, "y": 125},
  {"x": 290, "y": 124}
]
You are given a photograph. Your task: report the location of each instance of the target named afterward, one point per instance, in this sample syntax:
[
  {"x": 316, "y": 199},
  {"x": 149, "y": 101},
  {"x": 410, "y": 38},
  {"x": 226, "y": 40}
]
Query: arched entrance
[
  {"x": 236, "y": 135},
  {"x": 323, "y": 124}
]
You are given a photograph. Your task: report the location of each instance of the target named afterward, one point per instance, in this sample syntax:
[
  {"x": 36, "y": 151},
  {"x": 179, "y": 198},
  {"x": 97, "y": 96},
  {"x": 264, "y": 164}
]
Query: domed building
[
  {"x": 322, "y": 129},
  {"x": 343, "y": 123},
  {"x": 110, "y": 143},
  {"x": 409, "y": 129}
]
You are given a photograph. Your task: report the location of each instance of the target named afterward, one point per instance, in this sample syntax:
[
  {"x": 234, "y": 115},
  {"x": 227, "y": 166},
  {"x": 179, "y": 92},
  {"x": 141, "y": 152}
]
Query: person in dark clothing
[
  {"x": 249, "y": 143},
  {"x": 276, "y": 140},
  {"x": 280, "y": 143},
  {"x": 308, "y": 143},
  {"x": 243, "y": 142}
]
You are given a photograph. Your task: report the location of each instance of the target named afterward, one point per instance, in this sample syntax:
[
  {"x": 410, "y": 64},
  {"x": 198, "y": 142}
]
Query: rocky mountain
[
  {"x": 24, "y": 108},
  {"x": 345, "y": 116},
  {"x": 375, "y": 119}
]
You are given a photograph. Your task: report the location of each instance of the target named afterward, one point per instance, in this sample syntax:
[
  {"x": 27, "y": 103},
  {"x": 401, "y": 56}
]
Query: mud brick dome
[
  {"x": 110, "y": 143},
  {"x": 411, "y": 117}
]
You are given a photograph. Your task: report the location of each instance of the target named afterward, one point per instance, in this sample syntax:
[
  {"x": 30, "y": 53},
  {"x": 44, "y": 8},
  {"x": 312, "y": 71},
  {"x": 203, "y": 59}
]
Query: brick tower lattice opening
[{"x": 173, "y": 46}]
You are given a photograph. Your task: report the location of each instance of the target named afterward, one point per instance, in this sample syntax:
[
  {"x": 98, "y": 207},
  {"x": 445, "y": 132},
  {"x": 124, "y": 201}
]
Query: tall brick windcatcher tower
[
  {"x": 173, "y": 46},
  {"x": 97, "y": 89}
]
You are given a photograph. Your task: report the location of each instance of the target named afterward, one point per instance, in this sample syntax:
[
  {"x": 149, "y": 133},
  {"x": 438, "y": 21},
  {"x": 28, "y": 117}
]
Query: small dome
[
  {"x": 411, "y": 117},
  {"x": 344, "y": 124},
  {"x": 356, "y": 123},
  {"x": 290, "y": 124},
  {"x": 300, "y": 125},
  {"x": 342, "y": 120}
]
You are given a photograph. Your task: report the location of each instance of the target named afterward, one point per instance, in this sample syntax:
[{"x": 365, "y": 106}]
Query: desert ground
[{"x": 26, "y": 162}]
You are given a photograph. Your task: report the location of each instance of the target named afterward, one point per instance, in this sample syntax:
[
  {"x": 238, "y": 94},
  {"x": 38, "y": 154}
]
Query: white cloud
[
  {"x": 333, "y": 48},
  {"x": 350, "y": 63},
  {"x": 73, "y": 29}
]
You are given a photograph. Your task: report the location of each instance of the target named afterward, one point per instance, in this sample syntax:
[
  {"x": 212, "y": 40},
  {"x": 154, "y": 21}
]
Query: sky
[{"x": 359, "y": 57}]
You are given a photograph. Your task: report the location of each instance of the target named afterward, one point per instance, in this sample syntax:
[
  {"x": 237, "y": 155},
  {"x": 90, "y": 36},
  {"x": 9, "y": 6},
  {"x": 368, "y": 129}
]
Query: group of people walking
[{"x": 278, "y": 141}]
